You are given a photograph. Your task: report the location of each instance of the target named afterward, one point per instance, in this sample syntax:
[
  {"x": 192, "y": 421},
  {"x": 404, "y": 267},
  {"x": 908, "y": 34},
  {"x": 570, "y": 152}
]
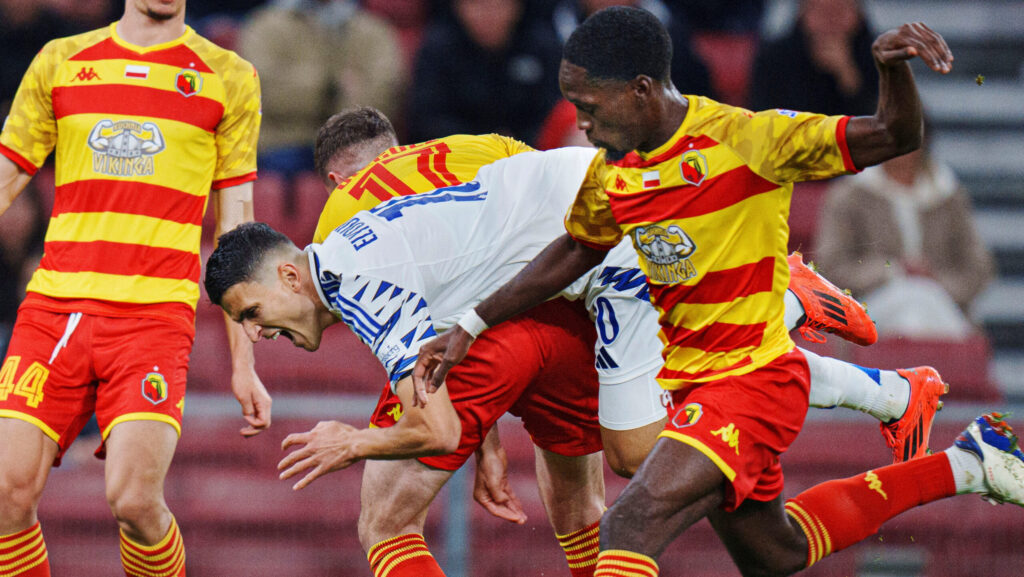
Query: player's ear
[
  {"x": 290, "y": 276},
  {"x": 335, "y": 178}
]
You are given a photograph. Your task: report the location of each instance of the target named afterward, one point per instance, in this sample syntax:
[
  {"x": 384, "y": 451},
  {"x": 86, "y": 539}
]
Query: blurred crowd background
[{"x": 933, "y": 242}]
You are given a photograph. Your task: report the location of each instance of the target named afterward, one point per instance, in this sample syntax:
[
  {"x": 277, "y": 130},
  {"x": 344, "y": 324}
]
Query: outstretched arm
[
  {"x": 333, "y": 445},
  {"x": 556, "y": 267},
  {"x": 895, "y": 128}
]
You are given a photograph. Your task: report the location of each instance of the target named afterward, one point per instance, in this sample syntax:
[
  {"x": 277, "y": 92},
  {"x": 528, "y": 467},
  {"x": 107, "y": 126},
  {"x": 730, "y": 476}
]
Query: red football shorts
[
  {"x": 539, "y": 366},
  {"x": 121, "y": 369},
  {"x": 744, "y": 423}
]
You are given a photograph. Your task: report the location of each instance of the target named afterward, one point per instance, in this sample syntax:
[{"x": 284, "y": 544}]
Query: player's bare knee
[
  {"x": 375, "y": 525},
  {"x": 19, "y": 496},
  {"x": 136, "y": 509},
  {"x": 623, "y": 463}
]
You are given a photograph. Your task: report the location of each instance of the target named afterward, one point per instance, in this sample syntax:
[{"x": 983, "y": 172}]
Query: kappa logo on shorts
[
  {"x": 730, "y": 435},
  {"x": 692, "y": 413},
  {"x": 154, "y": 388}
]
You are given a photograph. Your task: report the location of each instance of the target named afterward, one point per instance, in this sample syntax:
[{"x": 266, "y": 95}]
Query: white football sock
[{"x": 794, "y": 312}]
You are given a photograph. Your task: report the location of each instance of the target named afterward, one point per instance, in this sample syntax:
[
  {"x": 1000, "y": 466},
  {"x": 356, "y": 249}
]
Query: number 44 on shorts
[{"x": 30, "y": 385}]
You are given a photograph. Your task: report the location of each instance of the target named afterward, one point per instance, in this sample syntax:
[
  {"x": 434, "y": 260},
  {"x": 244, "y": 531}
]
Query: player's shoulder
[
  {"x": 224, "y": 62},
  {"x": 64, "y": 48}
]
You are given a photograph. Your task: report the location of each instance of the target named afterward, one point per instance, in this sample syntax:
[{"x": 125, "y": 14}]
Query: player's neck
[
  {"x": 671, "y": 113},
  {"x": 139, "y": 29}
]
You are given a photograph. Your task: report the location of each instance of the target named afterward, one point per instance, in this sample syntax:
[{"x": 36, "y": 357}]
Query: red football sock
[
  {"x": 403, "y": 556},
  {"x": 165, "y": 559},
  {"x": 618, "y": 563},
  {"x": 23, "y": 554},
  {"x": 581, "y": 548},
  {"x": 837, "y": 514}
]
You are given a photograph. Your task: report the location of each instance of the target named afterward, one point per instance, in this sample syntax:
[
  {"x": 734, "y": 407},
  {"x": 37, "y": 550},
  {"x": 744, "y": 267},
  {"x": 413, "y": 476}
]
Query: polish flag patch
[
  {"x": 136, "y": 71},
  {"x": 652, "y": 179}
]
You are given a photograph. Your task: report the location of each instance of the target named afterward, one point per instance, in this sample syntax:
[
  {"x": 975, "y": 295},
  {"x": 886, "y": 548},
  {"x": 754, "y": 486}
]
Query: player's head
[
  {"x": 158, "y": 10},
  {"x": 615, "y": 70},
  {"x": 262, "y": 281},
  {"x": 349, "y": 140}
]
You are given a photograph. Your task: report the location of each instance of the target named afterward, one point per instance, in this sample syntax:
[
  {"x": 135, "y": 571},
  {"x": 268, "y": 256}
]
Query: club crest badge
[
  {"x": 188, "y": 82},
  {"x": 154, "y": 388},
  {"x": 689, "y": 416},
  {"x": 694, "y": 167}
]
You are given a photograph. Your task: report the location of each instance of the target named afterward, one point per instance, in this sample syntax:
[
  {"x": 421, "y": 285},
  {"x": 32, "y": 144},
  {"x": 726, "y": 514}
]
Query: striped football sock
[
  {"x": 403, "y": 556},
  {"x": 165, "y": 559},
  {"x": 581, "y": 548},
  {"x": 839, "y": 513},
  {"x": 618, "y": 563},
  {"x": 23, "y": 554}
]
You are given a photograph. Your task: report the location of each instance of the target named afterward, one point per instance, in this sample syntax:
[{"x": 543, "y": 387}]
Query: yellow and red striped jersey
[
  {"x": 141, "y": 135},
  {"x": 412, "y": 169},
  {"x": 707, "y": 213}
]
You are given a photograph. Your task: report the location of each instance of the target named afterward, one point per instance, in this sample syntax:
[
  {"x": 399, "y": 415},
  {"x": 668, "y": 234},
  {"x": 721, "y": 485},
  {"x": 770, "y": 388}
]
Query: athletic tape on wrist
[{"x": 472, "y": 323}]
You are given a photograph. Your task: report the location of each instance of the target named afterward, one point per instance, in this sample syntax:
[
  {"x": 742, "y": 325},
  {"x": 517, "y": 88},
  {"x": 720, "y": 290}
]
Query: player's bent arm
[
  {"x": 556, "y": 267},
  {"x": 332, "y": 445},
  {"x": 895, "y": 128},
  {"x": 233, "y": 206},
  {"x": 13, "y": 180}
]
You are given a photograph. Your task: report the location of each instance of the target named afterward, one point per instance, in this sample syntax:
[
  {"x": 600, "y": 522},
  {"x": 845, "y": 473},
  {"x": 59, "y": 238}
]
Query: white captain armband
[{"x": 472, "y": 323}]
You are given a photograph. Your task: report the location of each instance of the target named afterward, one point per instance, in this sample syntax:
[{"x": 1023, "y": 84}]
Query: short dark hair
[
  {"x": 347, "y": 128},
  {"x": 621, "y": 43},
  {"x": 238, "y": 256}
]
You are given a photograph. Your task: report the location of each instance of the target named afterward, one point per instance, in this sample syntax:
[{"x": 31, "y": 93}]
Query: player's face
[
  {"x": 607, "y": 111},
  {"x": 271, "y": 310},
  {"x": 160, "y": 9}
]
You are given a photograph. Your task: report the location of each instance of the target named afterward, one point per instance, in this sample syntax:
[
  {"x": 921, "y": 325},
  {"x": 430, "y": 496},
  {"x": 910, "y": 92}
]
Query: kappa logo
[
  {"x": 86, "y": 74},
  {"x": 154, "y": 388},
  {"x": 730, "y": 435},
  {"x": 691, "y": 412},
  {"x": 667, "y": 251},
  {"x": 188, "y": 82},
  {"x": 395, "y": 412},
  {"x": 875, "y": 484},
  {"x": 694, "y": 167},
  {"x": 619, "y": 183}
]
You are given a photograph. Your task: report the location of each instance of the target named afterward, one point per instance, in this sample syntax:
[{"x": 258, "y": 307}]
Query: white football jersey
[{"x": 414, "y": 264}]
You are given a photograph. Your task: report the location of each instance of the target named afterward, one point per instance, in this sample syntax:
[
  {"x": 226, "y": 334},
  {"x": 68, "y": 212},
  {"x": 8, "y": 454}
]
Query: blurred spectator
[
  {"x": 484, "y": 68},
  {"x": 25, "y": 27},
  {"x": 316, "y": 57},
  {"x": 22, "y": 229},
  {"x": 824, "y": 64},
  {"x": 902, "y": 237},
  {"x": 86, "y": 15},
  {"x": 689, "y": 72}
]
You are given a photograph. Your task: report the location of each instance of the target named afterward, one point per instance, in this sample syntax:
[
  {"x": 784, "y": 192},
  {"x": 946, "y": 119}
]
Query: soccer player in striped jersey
[
  {"x": 358, "y": 153},
  {"x": 702, "y": 189},
  {"x": 149, "y": 122}
]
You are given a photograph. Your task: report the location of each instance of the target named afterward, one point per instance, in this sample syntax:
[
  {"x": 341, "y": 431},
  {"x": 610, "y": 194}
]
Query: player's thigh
[
  {"x": 394, "y": 498},
  {"x": 632, "y": 414},
  {"x": 676, "y": 486},
  {"x": 761, "y": 537},
  {"x": 139, "y": 454},
  {"x": 141, "y": 366},
  {"x": 571, "y": 488},
  {"x": 46, "y": 380}
]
